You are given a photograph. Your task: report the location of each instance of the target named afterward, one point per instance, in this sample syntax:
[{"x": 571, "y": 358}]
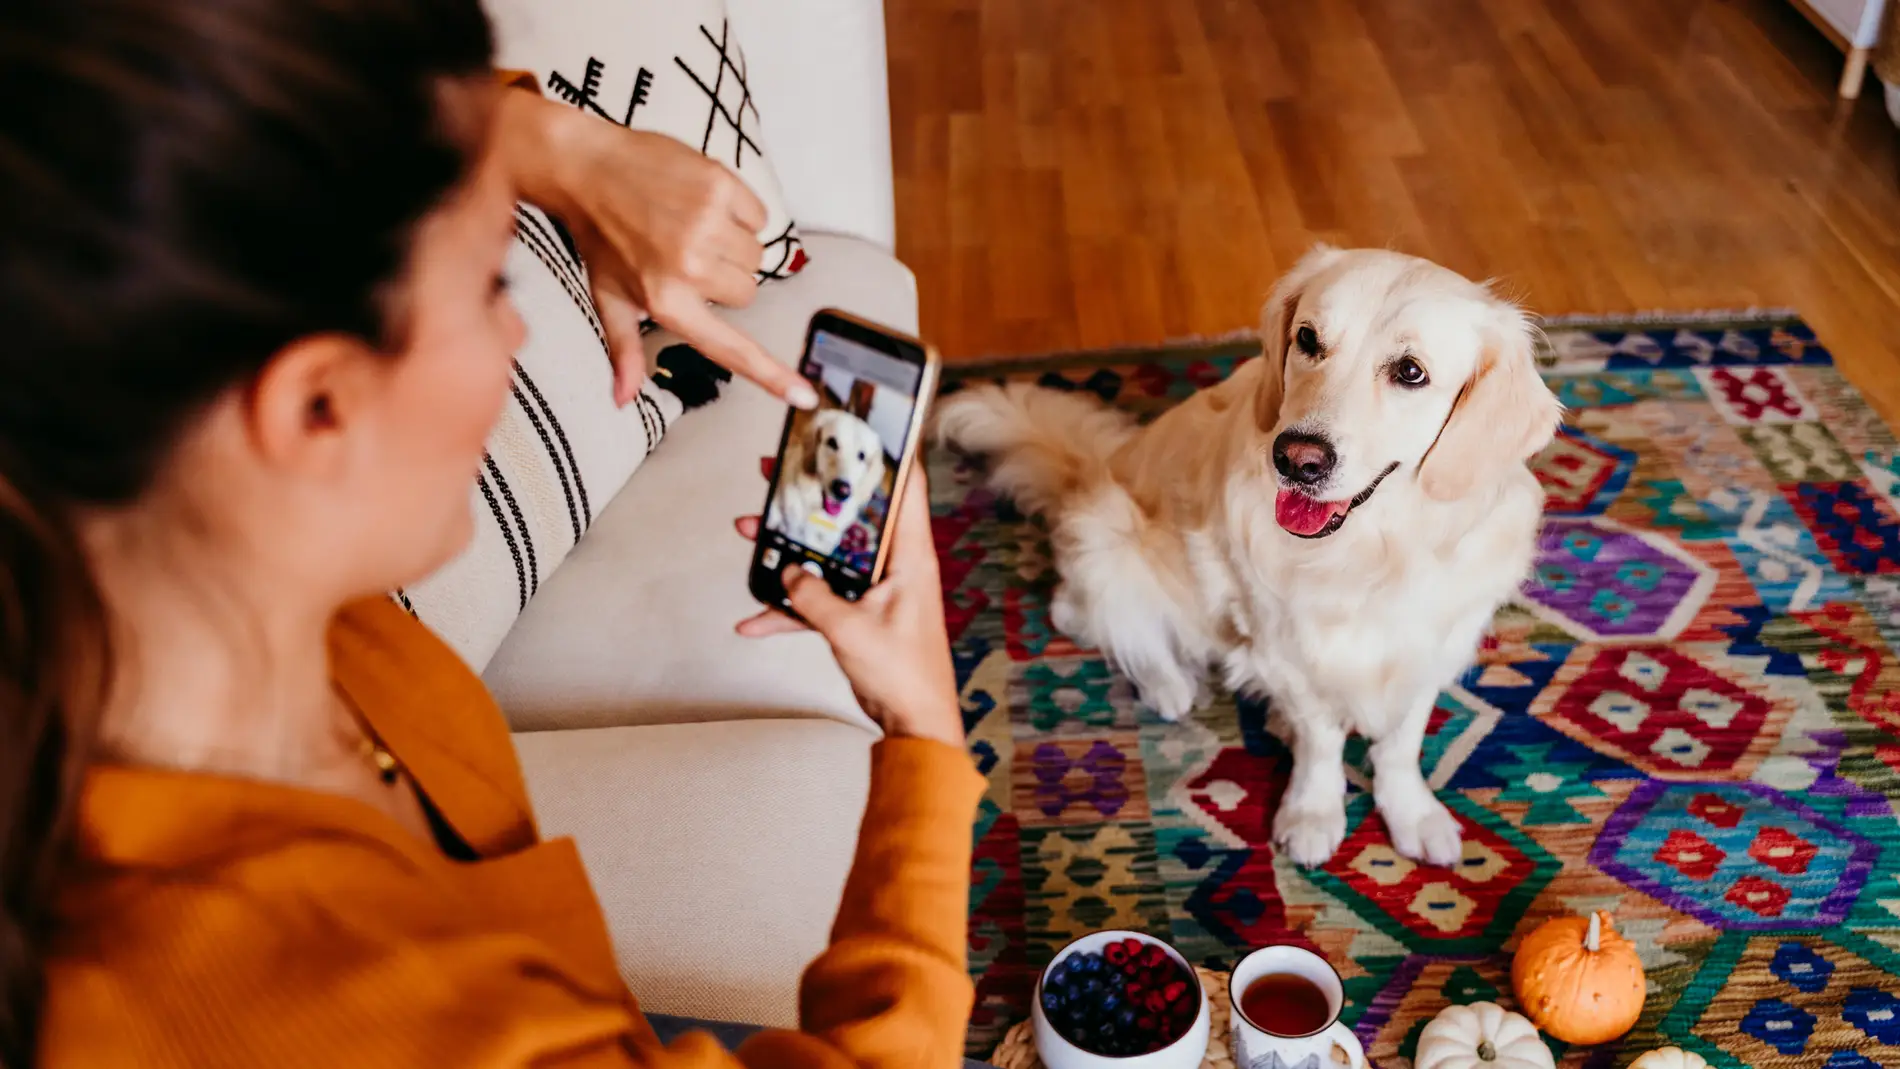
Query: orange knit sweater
[{"x": 221, "y": 922}]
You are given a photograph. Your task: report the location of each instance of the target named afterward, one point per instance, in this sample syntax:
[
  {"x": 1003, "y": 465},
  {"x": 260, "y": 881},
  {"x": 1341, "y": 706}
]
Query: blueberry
[
  {"x": 1059, "y": 974},
  {"x": 1125, "y": 1019},
  {"x": 1092, "y": 987},
  {"x": 1051, "y": 1000},
  {"x": 1111, "y": 1002}
]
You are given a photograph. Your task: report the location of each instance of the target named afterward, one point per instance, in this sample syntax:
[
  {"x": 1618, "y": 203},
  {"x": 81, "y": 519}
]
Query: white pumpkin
[
  {"x": 1670, "y": 1058},
  {"x": 1483, "y": 1035}
]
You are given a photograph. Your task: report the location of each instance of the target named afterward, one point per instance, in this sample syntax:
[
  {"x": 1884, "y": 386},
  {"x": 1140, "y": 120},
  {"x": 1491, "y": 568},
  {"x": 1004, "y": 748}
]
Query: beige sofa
[{"x": 714, "y": 784}]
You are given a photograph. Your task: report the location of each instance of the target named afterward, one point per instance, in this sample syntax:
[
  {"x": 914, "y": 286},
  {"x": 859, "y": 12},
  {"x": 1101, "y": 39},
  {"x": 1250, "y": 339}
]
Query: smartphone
[{"x": 842, "y": 467}]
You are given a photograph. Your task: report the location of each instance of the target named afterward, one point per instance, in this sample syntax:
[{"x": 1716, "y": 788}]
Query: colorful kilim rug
[{"x": 1691, "y": 719}]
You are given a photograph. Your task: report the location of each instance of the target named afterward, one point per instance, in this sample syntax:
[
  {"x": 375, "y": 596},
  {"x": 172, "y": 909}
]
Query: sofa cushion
[
  {"x": 820, "y": 67},
  {"x": 636, "y": 627},
  {"x": 718, "y": 851}
]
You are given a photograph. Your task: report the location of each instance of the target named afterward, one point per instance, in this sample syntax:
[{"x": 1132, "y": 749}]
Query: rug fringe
[
  {"x": 1233, "y": 340},
  {"x": 1247, "y": 337},
  {"x": 1567, "y": 319},
  {"x": 1575, "y": 320}
]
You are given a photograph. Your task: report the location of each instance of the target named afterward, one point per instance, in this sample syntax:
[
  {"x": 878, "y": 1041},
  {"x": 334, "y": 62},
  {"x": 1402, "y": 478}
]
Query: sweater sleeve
[{"x": 518, "y": 80}]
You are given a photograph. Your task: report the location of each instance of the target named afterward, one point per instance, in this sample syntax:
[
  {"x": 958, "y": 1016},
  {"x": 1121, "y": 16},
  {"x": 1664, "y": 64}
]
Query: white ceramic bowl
[{"x": 1058, "y": 1053}]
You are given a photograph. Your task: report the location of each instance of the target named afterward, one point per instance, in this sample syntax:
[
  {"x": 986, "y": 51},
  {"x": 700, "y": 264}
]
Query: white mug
[
  {"x": 1257, "y": 1048},
  {"x": 1055, "y": 1052}
]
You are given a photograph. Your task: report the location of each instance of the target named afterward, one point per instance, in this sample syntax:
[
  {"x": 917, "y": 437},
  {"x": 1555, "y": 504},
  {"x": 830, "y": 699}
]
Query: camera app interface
[{"x": 835, "y": 477}]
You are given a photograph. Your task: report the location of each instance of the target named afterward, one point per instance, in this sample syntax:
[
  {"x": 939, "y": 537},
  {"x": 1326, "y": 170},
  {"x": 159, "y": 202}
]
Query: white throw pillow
[{"x": 669, "y": 66}]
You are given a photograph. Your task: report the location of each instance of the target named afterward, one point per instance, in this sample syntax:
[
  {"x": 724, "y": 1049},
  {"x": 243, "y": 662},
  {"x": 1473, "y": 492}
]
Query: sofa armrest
[{"x": 818, "y": 70}]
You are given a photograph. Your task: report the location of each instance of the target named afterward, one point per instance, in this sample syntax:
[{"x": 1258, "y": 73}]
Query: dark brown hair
[{"x": 186, "y": 187}]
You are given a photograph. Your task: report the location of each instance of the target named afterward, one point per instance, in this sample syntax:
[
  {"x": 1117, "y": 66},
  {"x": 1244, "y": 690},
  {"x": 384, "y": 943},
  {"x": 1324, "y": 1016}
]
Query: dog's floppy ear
[
  {"x": 1276, "y": 329},
  {"x": 801, "y": 451},
  {"x": 1503, "y": 416},
  {"x": 814, "y": 440}
]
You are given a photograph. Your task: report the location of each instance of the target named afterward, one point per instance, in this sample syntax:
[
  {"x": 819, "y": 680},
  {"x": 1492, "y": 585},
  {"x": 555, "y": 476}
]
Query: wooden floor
[{"x": 1086, "y": 173}]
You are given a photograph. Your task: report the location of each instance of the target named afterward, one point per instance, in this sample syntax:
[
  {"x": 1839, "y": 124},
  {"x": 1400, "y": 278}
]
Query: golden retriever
[
  {"x": 1333, "y": 526},
  {"x": 833, "y": 465}
]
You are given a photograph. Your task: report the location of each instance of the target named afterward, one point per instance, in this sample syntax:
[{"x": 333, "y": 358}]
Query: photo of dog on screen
[{"x": 834, "y": 488}]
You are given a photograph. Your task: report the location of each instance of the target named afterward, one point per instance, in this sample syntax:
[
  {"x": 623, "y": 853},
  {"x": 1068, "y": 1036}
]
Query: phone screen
[{"x": 837, "y": 468}]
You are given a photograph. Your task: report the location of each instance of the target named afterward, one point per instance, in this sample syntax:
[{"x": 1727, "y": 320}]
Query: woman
[{"x": 250, "y": 814}]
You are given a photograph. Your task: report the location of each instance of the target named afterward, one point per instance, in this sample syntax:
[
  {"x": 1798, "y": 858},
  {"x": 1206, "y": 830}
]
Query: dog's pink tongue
[
  {"x": 1303, "y": 515},
  {"x": 832, "y": 508}
]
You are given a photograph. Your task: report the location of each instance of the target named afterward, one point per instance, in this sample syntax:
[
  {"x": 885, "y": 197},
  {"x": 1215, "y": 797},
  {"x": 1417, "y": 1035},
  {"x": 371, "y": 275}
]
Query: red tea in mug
[{"x": 1286, "y": 1005}]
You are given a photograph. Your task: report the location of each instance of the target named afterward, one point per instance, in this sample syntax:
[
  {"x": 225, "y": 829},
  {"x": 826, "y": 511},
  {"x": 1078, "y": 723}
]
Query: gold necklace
[{"x": 371, "y": 747}]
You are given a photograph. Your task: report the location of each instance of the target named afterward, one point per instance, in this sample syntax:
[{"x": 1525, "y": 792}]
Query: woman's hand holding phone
[{"x": 892, "y": 642}]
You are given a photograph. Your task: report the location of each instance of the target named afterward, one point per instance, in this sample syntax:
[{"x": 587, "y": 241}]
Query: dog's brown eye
[
  {"x": 1307, "y": 339},
  {"x": 831, "y": 443},
  {"x": 1409, "y": 372}
]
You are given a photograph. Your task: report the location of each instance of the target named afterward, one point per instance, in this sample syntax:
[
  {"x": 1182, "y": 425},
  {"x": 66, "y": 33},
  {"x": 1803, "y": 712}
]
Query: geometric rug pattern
[{"x": 1689, "y": 718}]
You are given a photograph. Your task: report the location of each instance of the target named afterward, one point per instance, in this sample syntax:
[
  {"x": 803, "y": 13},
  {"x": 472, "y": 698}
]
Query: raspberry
[{"x": 1126, "y": 999}]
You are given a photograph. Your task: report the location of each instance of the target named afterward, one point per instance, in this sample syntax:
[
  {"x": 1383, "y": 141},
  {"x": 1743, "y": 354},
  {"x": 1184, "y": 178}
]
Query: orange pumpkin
[{"x": 1578, "y": 980}]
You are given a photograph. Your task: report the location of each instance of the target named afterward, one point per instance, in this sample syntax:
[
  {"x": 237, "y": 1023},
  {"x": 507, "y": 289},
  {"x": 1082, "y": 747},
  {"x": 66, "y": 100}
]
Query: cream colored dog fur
[{"x": 1179, "y": 544}]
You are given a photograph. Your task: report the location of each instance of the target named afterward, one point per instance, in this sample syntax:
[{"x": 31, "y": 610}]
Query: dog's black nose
[
  {"x": 1303, "y": 458},
  {"x": 840, "y": 488}
]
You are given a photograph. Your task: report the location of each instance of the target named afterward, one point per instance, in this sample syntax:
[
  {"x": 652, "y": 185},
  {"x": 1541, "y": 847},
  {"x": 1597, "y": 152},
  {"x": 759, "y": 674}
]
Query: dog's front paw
[
  {"x": 1067, "y": 616},
  {"x": 1171, "y": 696},
  {"x": 1309, "y": 834},
  {"x": 1424, "y": 830}
]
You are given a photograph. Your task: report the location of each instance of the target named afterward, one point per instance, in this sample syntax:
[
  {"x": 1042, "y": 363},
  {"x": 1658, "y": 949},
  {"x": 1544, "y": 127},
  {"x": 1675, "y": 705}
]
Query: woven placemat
[{"x": 1018, "y": 1048}]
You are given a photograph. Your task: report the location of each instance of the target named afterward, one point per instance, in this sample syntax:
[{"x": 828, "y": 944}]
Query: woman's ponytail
[{"x": 53, "y": 652}]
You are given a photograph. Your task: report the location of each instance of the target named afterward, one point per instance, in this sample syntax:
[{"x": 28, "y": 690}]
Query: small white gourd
[
  {"x": 1483, "y": 1035},
  {"x": 1670, "y": 1058}
]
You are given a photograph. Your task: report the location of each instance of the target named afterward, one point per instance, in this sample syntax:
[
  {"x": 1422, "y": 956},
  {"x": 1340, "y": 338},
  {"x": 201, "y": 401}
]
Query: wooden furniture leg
[{"x": 1854, "y": 74}]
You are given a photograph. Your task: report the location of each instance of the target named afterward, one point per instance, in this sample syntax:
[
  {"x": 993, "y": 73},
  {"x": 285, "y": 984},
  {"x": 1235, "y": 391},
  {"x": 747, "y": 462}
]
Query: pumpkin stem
[
  {"x": 1592, "y": 939},
  {"x": 1487, "y": 1052}
]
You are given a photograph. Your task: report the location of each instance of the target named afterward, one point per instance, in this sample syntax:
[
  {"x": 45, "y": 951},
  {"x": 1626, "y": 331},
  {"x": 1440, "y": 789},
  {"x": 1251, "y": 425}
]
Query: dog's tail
[{"x": 1043, "y": 444}]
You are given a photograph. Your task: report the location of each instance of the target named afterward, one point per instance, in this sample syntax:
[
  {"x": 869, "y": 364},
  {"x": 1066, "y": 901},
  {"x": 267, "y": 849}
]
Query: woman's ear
[
  {"x": 300, "y": 407},
  {"x": 1503, "y": 416},
  {"x": 1276, "y": 329}
]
